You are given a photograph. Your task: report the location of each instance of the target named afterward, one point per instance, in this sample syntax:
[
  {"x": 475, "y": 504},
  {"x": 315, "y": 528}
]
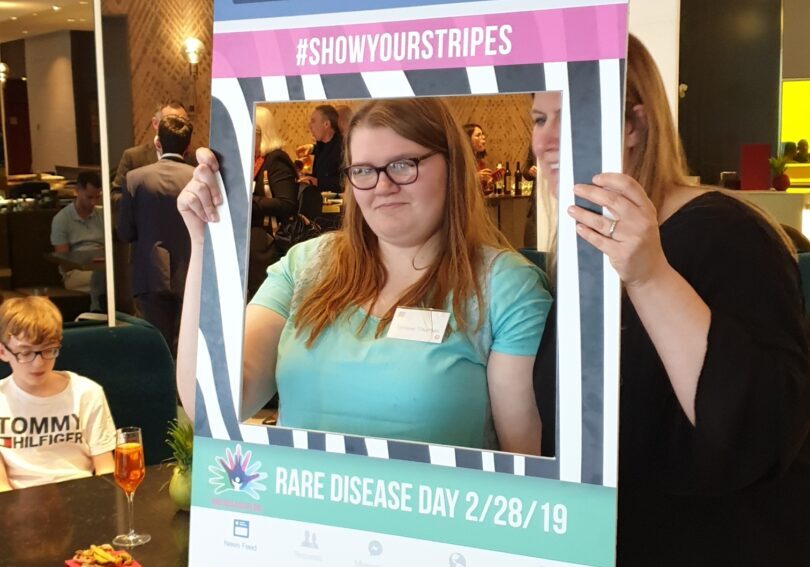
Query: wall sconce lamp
[
  {"x": 4, "y": 71},
  {"x": 192, "y": 48}
]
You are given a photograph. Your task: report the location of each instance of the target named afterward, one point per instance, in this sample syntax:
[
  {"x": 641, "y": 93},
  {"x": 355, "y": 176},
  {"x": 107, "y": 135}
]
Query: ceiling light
[
  {"x": 13, "y": 18},
  {"x": 25, "y": 31},
  {"x": 56, "y": 8},
  {"x": 71, "y": 19}
]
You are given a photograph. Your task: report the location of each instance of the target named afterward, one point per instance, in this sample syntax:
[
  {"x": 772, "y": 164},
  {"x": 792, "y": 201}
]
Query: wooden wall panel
[
  {"x": 157, "y": 64},
  {"x": 504, "y": 118}
]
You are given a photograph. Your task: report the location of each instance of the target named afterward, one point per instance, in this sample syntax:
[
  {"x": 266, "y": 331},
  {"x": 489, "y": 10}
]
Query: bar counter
[{"x": 509, "y": 213}]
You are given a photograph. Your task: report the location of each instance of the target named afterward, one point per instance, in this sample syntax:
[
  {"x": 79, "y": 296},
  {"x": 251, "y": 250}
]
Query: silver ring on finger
[{"x": 612, "y": 228}]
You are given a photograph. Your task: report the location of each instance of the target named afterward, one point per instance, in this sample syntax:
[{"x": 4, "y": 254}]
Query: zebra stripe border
[{"x": 588, "y": 290}]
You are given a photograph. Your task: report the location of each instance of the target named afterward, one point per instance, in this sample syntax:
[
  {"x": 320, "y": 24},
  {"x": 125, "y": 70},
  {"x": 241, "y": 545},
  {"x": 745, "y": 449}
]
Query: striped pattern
[
  {"x": 589, "y": 296},
  {"x": 583, "y": 33}
]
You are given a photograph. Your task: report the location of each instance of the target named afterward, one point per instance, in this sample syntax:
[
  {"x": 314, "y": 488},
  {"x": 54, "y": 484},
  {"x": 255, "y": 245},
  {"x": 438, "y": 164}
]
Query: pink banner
[{"x": 570, "y": 34}]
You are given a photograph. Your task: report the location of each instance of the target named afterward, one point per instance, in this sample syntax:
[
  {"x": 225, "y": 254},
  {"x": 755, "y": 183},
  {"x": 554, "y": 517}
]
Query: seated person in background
[
  {"x": 478, "y": 141},
  {"x": 416, "y": 237},
  {"x": 275, "y": 179},
  {"x": 801, "y": 152},
  {"x": 327, "y": 150},
  {"x": 789, "y": 153},
  {"x": 80, "y": 226},
  {"x": 148, "y": 218},
  {"x": 62, "y": 428}
]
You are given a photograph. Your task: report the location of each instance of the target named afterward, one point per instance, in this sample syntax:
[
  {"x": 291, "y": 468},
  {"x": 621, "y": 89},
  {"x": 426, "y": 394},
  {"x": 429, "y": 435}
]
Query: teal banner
[{"x": 573, "y": 523}]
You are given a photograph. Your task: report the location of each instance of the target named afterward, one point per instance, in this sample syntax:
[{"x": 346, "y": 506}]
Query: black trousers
[{"x": 162, "y": 310}]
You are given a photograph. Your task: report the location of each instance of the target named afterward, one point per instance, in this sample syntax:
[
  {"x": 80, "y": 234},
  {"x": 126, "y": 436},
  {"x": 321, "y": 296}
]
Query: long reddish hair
[{"x": 353, "y": 273}]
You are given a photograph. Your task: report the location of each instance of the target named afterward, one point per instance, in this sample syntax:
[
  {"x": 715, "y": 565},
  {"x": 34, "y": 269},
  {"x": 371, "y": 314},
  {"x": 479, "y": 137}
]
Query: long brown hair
[
  {"x": 353, "y": 273},
  {"x": 657, "y": 161}
]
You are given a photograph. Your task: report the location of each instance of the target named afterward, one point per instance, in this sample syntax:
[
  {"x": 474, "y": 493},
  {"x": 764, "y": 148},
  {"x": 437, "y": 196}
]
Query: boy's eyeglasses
[
  {"x": 27, "y": 356},
  {"x": 401, "y": 172}
]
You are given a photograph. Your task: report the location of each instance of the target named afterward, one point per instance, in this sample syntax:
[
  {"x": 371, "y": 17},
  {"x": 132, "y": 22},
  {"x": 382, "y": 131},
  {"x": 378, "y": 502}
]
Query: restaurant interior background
[{"x": 51, "y": 124}]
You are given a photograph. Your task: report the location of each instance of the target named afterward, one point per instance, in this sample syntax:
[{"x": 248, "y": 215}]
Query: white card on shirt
[{"x": 425, "y": 325}]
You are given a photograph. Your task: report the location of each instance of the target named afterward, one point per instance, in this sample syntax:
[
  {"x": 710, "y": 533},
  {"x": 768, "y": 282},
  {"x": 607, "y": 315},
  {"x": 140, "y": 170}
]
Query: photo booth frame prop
[{"x": 287, "y": 50}]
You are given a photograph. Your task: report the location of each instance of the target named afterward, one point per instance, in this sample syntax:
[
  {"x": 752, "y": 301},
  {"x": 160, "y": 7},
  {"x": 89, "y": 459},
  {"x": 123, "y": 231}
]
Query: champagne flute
[{"x": 129, "y": 472}]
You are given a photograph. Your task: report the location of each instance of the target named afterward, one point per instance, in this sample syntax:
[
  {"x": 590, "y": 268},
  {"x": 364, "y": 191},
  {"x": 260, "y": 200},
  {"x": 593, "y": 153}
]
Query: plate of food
[{"x": 97, "y": 555}]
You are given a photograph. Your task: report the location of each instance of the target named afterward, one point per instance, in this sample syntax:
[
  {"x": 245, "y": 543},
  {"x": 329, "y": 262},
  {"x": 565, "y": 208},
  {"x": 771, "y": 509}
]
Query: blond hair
[
  {"x": 657, "y": 161},
  {"x": 33, "y": 319},
  {"x": 353, "y": 274},
  {"x": 270, "y": 138}
]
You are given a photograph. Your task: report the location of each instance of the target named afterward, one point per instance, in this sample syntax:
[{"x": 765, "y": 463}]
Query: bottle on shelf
[
  {"x": 507, "y": 180},
  {"x": 499, "y": 179},
  {"x": 518, "y": 178}
]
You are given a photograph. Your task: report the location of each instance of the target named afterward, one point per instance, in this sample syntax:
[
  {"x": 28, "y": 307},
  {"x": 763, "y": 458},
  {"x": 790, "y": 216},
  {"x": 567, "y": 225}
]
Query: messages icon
[{"x": 375, "y": 548}]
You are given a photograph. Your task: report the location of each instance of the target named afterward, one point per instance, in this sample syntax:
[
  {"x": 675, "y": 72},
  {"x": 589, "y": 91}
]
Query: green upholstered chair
[
  {"x": 536, "y": 257},
  {"x": 134, "y": 366}
]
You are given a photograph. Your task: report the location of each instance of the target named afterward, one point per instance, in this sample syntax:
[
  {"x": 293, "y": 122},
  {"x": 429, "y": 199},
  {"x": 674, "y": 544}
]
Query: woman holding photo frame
[
  {"x": 714, "y": 459},
  {"x": 414, "y": 321}
]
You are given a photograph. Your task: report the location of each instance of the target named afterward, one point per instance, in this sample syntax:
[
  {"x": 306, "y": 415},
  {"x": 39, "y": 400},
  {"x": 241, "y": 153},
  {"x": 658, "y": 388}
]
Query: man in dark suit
[
  {"x": 146, "y": 154},
  {"x": 133, "y": 158},
  {"x": 148, "y": 218},
  {"x": 327, "y": 150}
]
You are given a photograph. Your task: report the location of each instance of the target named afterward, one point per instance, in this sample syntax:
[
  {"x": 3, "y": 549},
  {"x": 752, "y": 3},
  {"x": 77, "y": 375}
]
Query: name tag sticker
[{"x": 424, "y": 325}]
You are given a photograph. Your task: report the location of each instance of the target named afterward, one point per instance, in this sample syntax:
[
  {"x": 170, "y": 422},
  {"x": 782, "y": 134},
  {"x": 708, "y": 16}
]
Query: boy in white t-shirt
[{"x": 54, "y": 426}]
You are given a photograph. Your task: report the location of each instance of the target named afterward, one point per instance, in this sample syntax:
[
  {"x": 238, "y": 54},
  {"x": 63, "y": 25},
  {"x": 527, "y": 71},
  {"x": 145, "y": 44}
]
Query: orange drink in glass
[{"x": 129, "y": 472}]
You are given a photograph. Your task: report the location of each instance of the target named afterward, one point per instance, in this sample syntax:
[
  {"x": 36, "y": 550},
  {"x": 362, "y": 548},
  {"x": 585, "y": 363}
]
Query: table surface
[{"x": 44, "y": 525}]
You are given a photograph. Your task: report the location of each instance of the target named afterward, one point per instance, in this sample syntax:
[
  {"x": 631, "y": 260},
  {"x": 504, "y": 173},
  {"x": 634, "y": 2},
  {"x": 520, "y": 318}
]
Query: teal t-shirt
[{"x": 352, "y": 382}]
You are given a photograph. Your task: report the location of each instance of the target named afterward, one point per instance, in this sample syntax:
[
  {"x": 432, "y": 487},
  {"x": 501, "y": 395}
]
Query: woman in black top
[
  {"x": 714, "y": 460},
  {"x": 275, "y": 181}
]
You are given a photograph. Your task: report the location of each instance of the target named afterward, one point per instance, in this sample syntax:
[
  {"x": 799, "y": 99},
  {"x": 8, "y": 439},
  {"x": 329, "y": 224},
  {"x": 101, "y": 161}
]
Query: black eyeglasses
[
  {"x": 27, "y": 356},
  {"x": 401, "y": 171}
]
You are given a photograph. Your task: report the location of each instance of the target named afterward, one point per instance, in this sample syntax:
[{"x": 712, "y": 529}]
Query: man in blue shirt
[{"x": 80, "y": 226}]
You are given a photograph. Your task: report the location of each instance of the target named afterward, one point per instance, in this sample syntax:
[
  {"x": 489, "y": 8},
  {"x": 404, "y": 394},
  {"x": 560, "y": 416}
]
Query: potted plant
[
  {"x": 181, "y": 442},
  {"x": 780, "y": 181}
]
